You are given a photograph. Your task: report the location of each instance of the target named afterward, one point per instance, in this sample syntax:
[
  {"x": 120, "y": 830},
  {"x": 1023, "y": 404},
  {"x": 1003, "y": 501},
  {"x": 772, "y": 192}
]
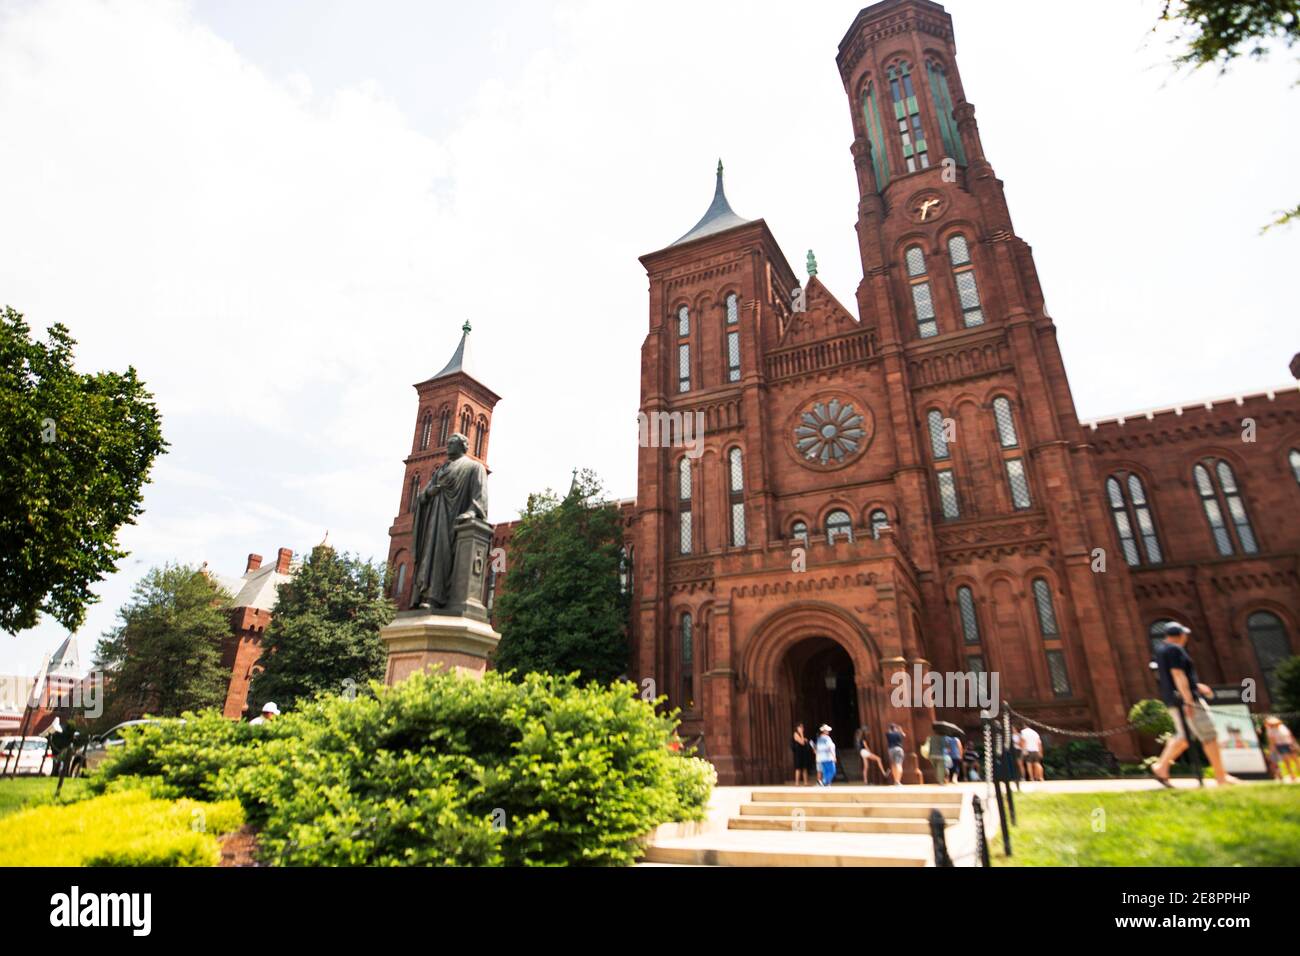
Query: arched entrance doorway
[
  {"x": 821, "y": 686},
  {"x": 809, "y": 663}
]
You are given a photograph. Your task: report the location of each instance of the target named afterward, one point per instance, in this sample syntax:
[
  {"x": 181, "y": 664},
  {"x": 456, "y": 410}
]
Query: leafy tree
[
  {"x": 562, "y": 607},
  {"x": 1286, "y": 686},
  {"x": 164, "y": 657},
  {"x": 77, "y": 451},
  {"x": 324, "y": 634},
  {"x": 1219, "y": 31}
]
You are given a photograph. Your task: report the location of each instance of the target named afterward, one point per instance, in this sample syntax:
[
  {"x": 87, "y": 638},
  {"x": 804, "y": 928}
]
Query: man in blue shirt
[
  {"x": 1184, "y": 696},
  {"x": 825, "y": 755}
]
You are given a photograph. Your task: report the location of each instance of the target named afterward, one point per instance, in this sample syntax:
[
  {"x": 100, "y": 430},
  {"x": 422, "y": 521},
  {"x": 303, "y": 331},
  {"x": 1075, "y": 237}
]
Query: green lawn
[
  {"x": 1251, "y": 825},
  {"x": 19, "y": 792}
]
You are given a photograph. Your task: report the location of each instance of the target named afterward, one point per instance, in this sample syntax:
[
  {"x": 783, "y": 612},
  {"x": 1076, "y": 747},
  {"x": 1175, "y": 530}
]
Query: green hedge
[
  {"x": 124, "y": 828},
  {"x": 439, "y": 770}
]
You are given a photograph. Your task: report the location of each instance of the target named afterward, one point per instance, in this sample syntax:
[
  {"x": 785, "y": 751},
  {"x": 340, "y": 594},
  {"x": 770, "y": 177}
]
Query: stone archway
[{"x": 807, "y": 663}]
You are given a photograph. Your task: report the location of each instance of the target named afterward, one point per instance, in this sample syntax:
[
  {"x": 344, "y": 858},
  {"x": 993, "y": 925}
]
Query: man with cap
[
  {"x": 1185, "y": 698},
  {"x": 825, "y": 756},
  {"x": 269, "y": 712}
]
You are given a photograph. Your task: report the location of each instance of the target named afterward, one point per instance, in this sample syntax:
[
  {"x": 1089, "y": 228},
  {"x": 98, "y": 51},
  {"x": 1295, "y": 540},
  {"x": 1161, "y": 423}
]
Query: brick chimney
[
  {"x": 282, "y": 561},
  {"x": 254, "y": 562}
]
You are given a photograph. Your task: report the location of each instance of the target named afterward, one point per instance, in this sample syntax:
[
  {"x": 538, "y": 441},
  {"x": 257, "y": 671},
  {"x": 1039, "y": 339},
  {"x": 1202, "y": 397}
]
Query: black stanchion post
[
  {"x": 941, "y": 857},
  {"x": 1012, "y": 766},
  {"x": 999, "y": 784},
  {"x": 981, "y": 840}
]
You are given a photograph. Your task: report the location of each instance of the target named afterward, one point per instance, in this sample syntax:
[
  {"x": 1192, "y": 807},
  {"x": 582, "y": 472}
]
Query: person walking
[
  {"x": 1031, "y": 744},
  {"x": 1185, "y": 696},
  {"x": 1282, "y": 742},
  {"x": 826, "y": 758},
  {"x": 952, "y": 752},
  {"x": 894, "y": 741},
  {"x": 802, "y": 750}
]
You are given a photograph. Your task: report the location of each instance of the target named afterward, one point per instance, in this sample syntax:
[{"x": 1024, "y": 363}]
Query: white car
[{"x": 30, "y": 755}]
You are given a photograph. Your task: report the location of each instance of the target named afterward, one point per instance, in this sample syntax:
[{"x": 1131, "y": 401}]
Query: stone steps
[
  {"x": 950, "y": 811},
  {"x": 750, "y": 821},
  {"x": 815, "y": 826},
  {"x": 906, "y": 794},
  {"x": 725, "y": 855}
]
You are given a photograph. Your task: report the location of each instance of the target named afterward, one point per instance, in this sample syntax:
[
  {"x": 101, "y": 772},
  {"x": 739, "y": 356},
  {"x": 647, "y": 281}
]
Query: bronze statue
[{"x": 458, "y": 489}]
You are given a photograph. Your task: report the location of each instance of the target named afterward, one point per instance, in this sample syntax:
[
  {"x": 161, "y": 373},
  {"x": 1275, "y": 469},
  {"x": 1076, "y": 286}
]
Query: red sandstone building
[
  {"x": 253, "y": 601},
  {"x": 911, "y": 486}
]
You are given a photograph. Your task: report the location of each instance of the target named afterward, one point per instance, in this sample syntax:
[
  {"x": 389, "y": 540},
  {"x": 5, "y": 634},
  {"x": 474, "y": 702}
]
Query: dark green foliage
[
  {"x": 1152, "y": 716},
  {"x": 563, "y": 608},
  {"x": 439, "y": 770},
  {"x": 1286, "y": 680},
  {"x": 164, "y": 656},
  {"x": 324, "y": 636},
  {"x": 1219, "y": 31},
  {"x": 77, "y": 451}
]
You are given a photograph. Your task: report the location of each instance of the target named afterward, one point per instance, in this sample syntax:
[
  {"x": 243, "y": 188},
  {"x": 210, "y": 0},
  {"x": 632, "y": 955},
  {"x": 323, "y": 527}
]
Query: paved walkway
[{"x": 1112, "y": 785}]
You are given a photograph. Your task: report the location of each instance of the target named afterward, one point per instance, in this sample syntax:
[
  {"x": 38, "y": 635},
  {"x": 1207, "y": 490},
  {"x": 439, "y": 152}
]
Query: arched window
[
  {"x": 938, "y": 434},
  {"x": 480, "y": 436},
  {"x": 624, "y": 570},
  {"x": 736, "y": 496},
  {"x": 466, "y": 416},
  {"x": 1057, "y": 671},
  {"x": 1210, "y": 495},
  {"x": 1132, "y": 516},
  {"x": 1294, "y": 458},
  {"x": 1018, "y": 483},
  {"x": 878, "y": 519},
  {"x": 399, "y": 586},
  {"x": 970, "y": 625},
  {"x": 1046, "y": 611},
  {"x": 426, "y": 431},
  {"x": 907, "y": 112},
  {"x": 799, "y": 531},
  {"x": 922, "y": 299},
  {"x": 683, "y": 349},
  {"x": 876, "y": 136},
  {"x": 443, "y": 426},
  {"x": 948, "y": 494},
  {"x": 733, "y": 338},
  {"x": 688, "y": 662},
  {"x": 415, "y": 491},
  {"x": 963, "y": 273},
  {"x": 684, "y": 505},
  {"x": 838, "y": 524},
  {"x": 1006, "y": 422},
  {"x": 943, "y": 106},
  {"x": 1268, "y": 637}
]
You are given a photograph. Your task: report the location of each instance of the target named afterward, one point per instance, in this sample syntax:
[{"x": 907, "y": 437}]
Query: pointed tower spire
[
  {"x": 460, "y": 358},
  {"x": 718, "y": 218}
]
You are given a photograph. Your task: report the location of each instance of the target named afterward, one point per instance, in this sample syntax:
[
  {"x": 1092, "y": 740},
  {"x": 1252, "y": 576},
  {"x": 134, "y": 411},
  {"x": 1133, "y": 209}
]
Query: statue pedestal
[{"x": 417, "y": 640}]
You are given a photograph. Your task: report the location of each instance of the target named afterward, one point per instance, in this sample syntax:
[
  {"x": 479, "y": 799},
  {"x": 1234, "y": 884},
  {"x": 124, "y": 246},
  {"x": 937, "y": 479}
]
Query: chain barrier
[{"x": 1110, "y": 732}]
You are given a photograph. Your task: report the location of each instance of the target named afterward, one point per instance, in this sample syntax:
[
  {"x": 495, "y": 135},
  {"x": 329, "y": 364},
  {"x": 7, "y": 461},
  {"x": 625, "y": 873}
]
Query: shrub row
[
  {"x": 438, "y": 770},
  {"x": 128, "y": 827}
]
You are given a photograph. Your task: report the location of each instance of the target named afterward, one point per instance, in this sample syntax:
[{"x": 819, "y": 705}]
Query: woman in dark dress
[{"x": 801, "y": 748}]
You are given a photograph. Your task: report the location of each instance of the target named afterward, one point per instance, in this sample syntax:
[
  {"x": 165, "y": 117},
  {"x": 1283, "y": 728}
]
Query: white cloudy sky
[{"x": 281, "y": 213}]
